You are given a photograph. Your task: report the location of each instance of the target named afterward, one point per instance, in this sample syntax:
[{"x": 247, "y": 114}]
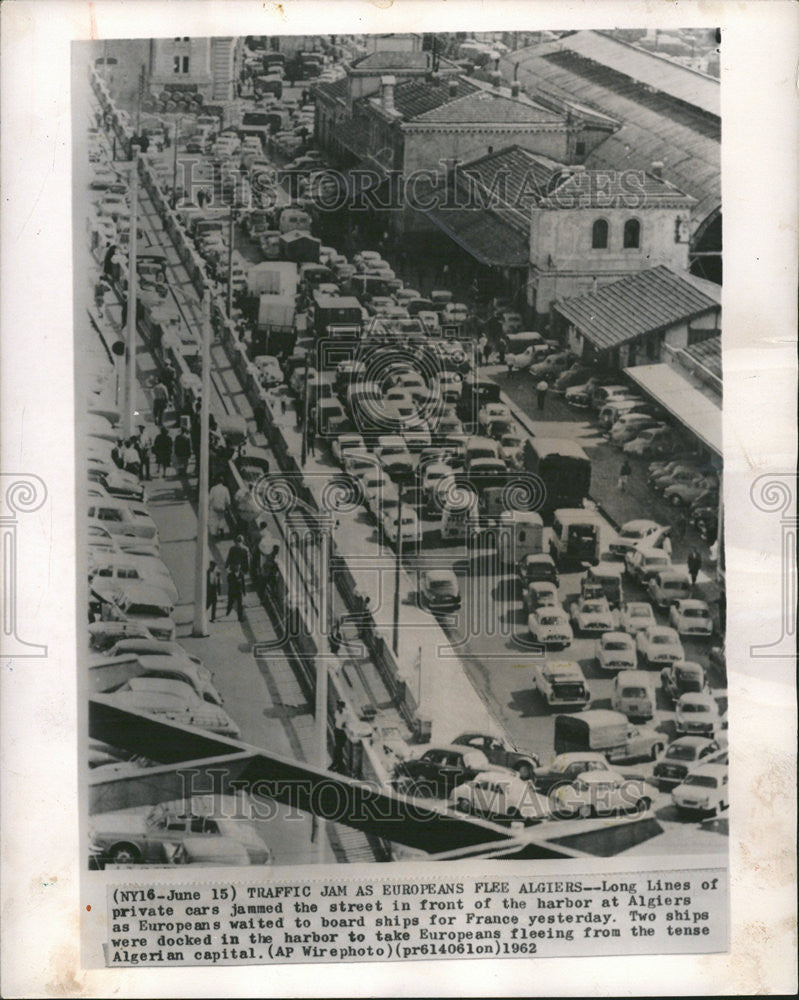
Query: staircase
[{"x": 223, "y": 68}]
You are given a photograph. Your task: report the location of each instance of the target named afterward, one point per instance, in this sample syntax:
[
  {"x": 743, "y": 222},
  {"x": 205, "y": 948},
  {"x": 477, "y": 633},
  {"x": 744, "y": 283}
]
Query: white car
[
  {"x": 409, "y": 528},
  {"x": 491, "y": 412},
  {"x": 659, "y": 645},
  {"x": 602, "y": 793},
  {"x": 642, "y": 564},
  {"x": 616, "y": 651},
  {"x": 511, "y": 448},
  {"x": 417, "y": 436},
  {"x": 697, "y": 714},
  {"x": 347, "y": 442},
  {"x": 375, "y": 485},
  {"x": 705, "y": 790},
  {"x": 592, "y": 616},
  {"x": 500, "y": 795},
  {"x": 120, "y": 516},
  {"x": 691, "y": 617},
  {"x": 635, "y": 534},
  {"x": 136, "y": 602},
  {"x": 636, "y": 616},
  {"x": 562, "y": 684},
  {"x": 101, "y": 539},
  {"x": 120, "y": 568},
  {"x": 550, "y": 627},
  {"x": 175, "y": 701}
]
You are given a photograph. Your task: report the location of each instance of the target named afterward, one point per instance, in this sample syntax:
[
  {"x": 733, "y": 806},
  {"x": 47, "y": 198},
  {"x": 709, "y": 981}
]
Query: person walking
[
  {"x": 213, "y": 587},
  {"x": 666, "y": 545},
  {"x": 160, "y": 401},
  {"x": 237, "y": 564},
  {"x": 182, "y": 452},
  {"x": 108, "y": 261},
  {"x": 269, "y": 567},
  {"x": 502, "y": 349},
  {"x": 680, "y": 527},
  {"x": 162, "y": 449},
  {"x": 624, "y": 475},
  {"x": 311, "y": 437},
  {"x": 143, "y": 443},
  {"x": 117, "y": 453},
  {"x": 482, "y": 347},
  {"x": 694, "y": 565},
  {"x": 340, "y": 717},
  {"x": 130, "y": 458},
  {"x": 218, "y": 506},
  {"x": 541, "y": 394}
]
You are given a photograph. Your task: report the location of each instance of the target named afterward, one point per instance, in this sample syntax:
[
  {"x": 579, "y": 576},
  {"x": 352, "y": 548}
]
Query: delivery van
[{"x": 604, "y": 731}]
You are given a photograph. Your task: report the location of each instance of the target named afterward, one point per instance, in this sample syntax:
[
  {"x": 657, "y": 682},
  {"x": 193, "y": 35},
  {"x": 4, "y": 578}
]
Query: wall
[{"x": 162, "y": 71}]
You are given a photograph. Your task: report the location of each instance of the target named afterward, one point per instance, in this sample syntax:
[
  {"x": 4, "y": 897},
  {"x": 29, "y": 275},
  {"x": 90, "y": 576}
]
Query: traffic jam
[{"x": 595, "y": 645}]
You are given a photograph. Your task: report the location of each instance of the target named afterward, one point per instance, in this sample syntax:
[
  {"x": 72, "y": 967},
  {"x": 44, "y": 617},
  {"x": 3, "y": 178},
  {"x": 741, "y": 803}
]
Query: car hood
[{"x": 132, "y": 824}]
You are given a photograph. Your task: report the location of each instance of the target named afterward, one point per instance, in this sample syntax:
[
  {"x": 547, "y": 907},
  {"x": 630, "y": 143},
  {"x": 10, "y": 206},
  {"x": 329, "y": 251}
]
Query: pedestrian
[
  {"x": 201, "y": 197},
  {"x": 160, "y": 401},
  {"x": 541, "y": 393},
  {"x": 340, "y": 718},
  {"x": 680, "y": 527},
  {"x": 665, "y": 544},
  {"x": 182, "y": 451},
  {"x": 130, "y": 458},
  {"x": 624, "y": 475},
  {"x": 169, "y": 377},
  {"x": 311, "y": 437},
  {"x": 694, "y": 565},
  {"x": 502, "y": 348},
  {"x": 117, "y": 453},
  {"x": 235, "y": 593},
  {"x": 218, "y": 506},
  {"x": 269, "y": 567},
  {"x": 143, "y": 444},
  {"x": 238, "y": 558},
  {"x": 259, "y": 415},
  {"x": 484, "y": 348},
  {"x": 162, "y": 449},
  {"x": 213, "y": 586},
  {"x": 108, "y": 261}
]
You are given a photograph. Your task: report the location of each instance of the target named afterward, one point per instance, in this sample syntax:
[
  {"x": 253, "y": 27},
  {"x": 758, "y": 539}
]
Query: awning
[{"x": 682, "y": 400}]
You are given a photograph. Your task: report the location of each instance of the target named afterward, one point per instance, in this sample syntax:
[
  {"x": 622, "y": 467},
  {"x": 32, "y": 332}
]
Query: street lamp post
[
  {"x": 175, "y": 164},
  {"x": 130, "y": 391},
  {"x": 230, "y": 263},
  {"x": 200, "y": 624}
]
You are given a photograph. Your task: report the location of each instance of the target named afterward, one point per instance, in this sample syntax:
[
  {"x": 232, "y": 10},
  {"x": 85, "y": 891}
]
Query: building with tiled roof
[{"x": 627, "y": 322}]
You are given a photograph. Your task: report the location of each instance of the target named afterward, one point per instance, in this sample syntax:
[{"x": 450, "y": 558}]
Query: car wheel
[
  {"x": 656, "y": 751},
  {"x": 585, "y": 811},
  {"x": 675, "y": 501},
  {"x": 124, "y": 854},
  {"x": 642, "y": 805},
  {"x": 462, "y": 805},
  {"x": 525, "y": 770}
]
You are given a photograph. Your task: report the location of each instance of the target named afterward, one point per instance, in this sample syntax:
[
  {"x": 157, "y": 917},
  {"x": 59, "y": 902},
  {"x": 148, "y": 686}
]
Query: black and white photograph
[{"x": 401, "y": 418}]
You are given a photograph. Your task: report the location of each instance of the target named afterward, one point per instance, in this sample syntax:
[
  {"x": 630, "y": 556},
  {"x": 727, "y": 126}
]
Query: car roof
[
  {"x": 440, "y": 574},
  {"x": 598, "y": 777},
  {"x": 716, "y": 770},
  {"x": 692, "y": 741},
  {"x": 692, "y": 603},
  {"x": 662, "y": 630},
  {"x": 616, "y": 636}
]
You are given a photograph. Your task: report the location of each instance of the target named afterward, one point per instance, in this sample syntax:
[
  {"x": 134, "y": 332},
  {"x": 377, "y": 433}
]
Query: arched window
[
  {"x": 632, "y": 234},
  {"x": 599, "y": 235}
]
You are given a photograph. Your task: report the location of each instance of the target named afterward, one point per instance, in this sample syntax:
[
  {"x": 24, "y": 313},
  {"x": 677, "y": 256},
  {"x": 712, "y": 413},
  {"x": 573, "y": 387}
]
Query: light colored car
[
  {"x": 115, "y": 206},
  {"x": 417, "y": 436},
  {"x": 137, "y": 602},
  {"x": 140, "y": 837},
  {"x": 550, "y": 627},
  {"x": 359, "y": 463},
  {"x": 562, "y": 684},
  {"x": 602, "y": 793},
  {"x": 120, "y": 515},
  {"x": 705, "y": 790},
  {"x": 500, "y": 796},
  {"x": 659, "y": 645},
  {"x": 140, "y": 645},
  {"x": 566, "y": 767},
  {"x": 346, "y": 442},
  {"x": 408, "y": 528},
  {"x": 636, "y": 616},
  {"x": 592, "y": 616},
  {"x": 697, "y": 714},
  {"x": 439, "y": 591},
  {"x": 101, "y": 539},
  {"x": 493, "y": 411},
  {"x": 628, "y": 427},
  {"x": 511, "y": 448},
  {"x": 173, "y": 700},
  {"x": 375, "y": 484},
  {"x": 540, "y": 594},
  {"x": 121, "y": 568},
  {"x": 683, "y": 677},
  {"x": 643, "y": 563},
  {"x": 115, "y": 482},
  {"x": 636, "y": 534},
  {"x": 392, "y": 451},
  {"x": 679, "y": 758},
  {"x": 109, "y": 673},
  {"x": 616, "y": 651},
  {"x": 668, "y": 586},
  {"x": 690, "y": 617}
]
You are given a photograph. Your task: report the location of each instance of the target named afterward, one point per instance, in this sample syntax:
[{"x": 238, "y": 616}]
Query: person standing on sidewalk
[
  {"x": 218, "y": 505},
  {"x": 694, "y": 565},
  {"x": 237, "y": 563},
  {"x": 160, "y": 401},
  {"x": 541, "y": 394},
  {"x": 213, "y": 586},
  {"x": 162, "y": 449},
  {"x": 340, "y": 717},
  {"x": 624, "y": 475},
  {"x": 143, "y": 444},
  {"x": 182, "y": 451},
  {"x": 502, "y": 348},
  {"x": 100, "y": 289},
  {"x": 130, "y": 458}
]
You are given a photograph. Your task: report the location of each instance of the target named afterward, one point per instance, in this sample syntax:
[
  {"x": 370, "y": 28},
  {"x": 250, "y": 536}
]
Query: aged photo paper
[{"x": 399, "y": 498}]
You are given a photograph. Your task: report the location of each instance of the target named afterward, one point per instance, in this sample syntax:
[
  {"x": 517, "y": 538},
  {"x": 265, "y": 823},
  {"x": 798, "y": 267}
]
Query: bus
[{"x": 563, "y": 469}]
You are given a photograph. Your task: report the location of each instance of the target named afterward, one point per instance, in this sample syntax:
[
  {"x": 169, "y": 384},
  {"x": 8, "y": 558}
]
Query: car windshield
[
  {"x": 656, "y": 561},
  {"x": 442, "y": 586},
  {"x": 593, "y": 608},
  {"x": 694, "y": 707},
  {"x": 633, "y": 692},
  {"x": 147, "y": 610},
  {"x": 616, "y": 646},
  {"x": 695, "y": 613},
  {"x": 662, "y": 640},
  {"x": 633, "y": 533},
  {"x": 677, "y": 752},
  {"x": 638, "y": 612},
  {"x": 550, "y": 620},
  {"x": 674, "y": 585},
  {"x": 703, "y": 780}
]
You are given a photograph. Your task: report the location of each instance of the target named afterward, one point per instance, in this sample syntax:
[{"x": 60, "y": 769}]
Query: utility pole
[
  {"x": 397, "y": 567},
  {"x": 175, "y": 165},
  {"x": 133, "y": 280},
  {"x": 200, "y": 625},
  {"x": 230, "y": 263},
  {"x": 324, "y": 525},
  {"x": 304, "y": 454}
]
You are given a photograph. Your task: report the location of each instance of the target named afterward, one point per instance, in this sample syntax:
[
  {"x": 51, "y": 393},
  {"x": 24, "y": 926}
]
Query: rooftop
[
  {"x": 487, "y": 107},
  {"x": 416, "y": 97},
  {"x": 615, "y": 189},
  {"x": 646, "y": 302},
  {"x": 516, "y": 176}
]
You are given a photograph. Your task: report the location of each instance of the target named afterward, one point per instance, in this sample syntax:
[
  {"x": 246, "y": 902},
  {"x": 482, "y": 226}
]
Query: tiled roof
[
  {"x": 415, "y": 97},
  {"x": 337, "y": 89},
  {"x": 483, "y": 235},
  {"x": 646, "y": 302},
  {"x": 488, "y": 108},
  {"x": 708, "y": 354},
  {"x": 654, "y": 125},
  {"x": 519, "y": 177},
  {"x": 393, "y": 60},
  {"x": 615, "y": 189}
]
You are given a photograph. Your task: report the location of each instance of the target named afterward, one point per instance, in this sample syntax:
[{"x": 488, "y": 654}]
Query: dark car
[
  {"x": 439, "y": 770},
  {"x": 679, "y": 678},
  {"x": 680, "y": 756},
  {"x": 565, "y": 768},
  {"x": 499, "y": 751},
  {"x": 553, "y": 366},
  {"x": 533, "y": 568}
]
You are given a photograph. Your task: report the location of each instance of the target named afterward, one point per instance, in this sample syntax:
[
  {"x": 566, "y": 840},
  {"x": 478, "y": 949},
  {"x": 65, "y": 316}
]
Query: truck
[
  {"x": 562, "y": 684},
  {"x": 575, "y": 537},
  {"x": 610, "y": 733},
  {"x": 563, "y": 468},
  {"x": 275, "y": 332},
  {"x": 337, "y": 316},
  {"x": 273, "y": 278}
]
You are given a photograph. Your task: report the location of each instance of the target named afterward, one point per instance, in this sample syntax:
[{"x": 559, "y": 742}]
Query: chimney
[
  {"x": 657, "y": 169},
  {"x": 387, "y": 93},
  {"x": 515, "y": 88},
  {"x": 452, "y": 88},
  {"x": 496, "y": 80}
]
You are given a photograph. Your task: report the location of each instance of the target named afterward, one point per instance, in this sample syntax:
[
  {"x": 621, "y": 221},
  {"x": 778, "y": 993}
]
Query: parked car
[
  {"x": 680, "y": 756},
  {"x": 683, "y": 677},
  {"x": 502, "y": 797},
  {"x": 644, "y": 563},
  {"x": 685, "y": 494},
  {"x": 408, "y": 528},
  {"x": 602, "y": 793},
  {"x": 565, "y": 768},
  {"x": 175, "y": 701},
  {"x": 540, "y": 594},
  {"x": 636, "y": 616},
  {"x": 629, "y": 427},
  {"x": 616, "y": 651},
  {"x": 668, "y": 586},
  {"x": 697, "y": 714},
  {"x": 637, "y": 534},
  {"x": 120, "y": 516},
  {"x": 705, "y": 790},
  {"x": 500, "y": 752},
  {"x": 651, "y": 442},
  {"x": 438, "y": 770},
  {"x": 592, "y": 616},
  {"x": 691, "y": 617},
  {"x": 344, "y": 443},
  {"x": 439, "y": 591},
  {"x": 116, "y": 483},
  {"x": 511, "y": 448},
  {"x": 127, "y": 837},
  {"x": 142, "y": 603},
  {"x": 658, "y": 645},
  {"x": 119, "y": 569},
  {"x": 534, "y": 568},
  {"x": 550, "y": 627}
]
